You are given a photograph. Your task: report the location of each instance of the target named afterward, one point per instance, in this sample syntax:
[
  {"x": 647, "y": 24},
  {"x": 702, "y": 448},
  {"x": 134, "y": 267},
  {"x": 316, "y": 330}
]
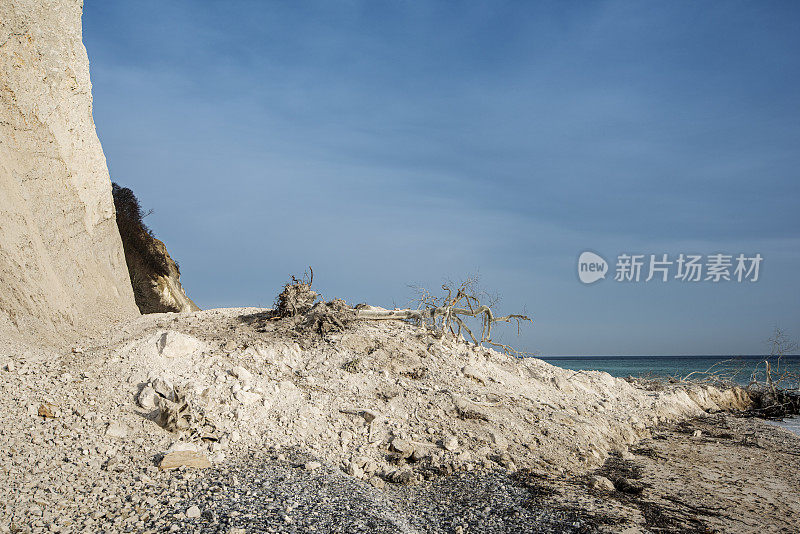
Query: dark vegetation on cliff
[
  {"x": 155, "y": 276},
  {"x": 136, "y": 236}
]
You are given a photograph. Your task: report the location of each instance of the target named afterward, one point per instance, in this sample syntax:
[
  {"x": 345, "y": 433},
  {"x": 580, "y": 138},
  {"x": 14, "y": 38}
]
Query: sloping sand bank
[
  {"x": 713, "y": 474},
  {"x": 375, "y": 406},
  {"x": 375, "y": 389}
]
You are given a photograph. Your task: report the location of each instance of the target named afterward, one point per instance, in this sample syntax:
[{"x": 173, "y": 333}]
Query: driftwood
[
  {"x": 774, "y": 386},
  {"x": 449, "y": 312}
]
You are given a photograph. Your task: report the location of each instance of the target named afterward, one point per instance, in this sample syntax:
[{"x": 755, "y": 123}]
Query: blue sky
[{"x": 396, "y": 143}]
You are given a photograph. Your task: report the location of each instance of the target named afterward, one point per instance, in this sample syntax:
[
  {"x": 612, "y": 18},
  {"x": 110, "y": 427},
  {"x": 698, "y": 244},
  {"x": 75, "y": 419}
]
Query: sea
[{"x": 739, "y": 369}]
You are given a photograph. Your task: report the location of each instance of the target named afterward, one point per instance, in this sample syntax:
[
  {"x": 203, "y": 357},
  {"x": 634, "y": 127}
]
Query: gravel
[{"x": 260, "y": 493}]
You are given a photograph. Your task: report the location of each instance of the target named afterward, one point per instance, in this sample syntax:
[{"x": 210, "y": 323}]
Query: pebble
[
  {"x": 176, "y": 459},
  {"x": 46, "y": 410},
  {"x": 355, "y": 470},
  {"x": 241, "y": 373},
  {"x": 627, "y": 485},
  {"x": 148, "y": 398},
  {"x": 193, "y": 512},
  {"x": 164, "y": 388},
  {"x": 247, "y": 397},
  {"x": 179, "y": 446},
  {"x": 403, "y": 447},
  {"x": 419, "y": 454},
  {"x": 602, "y": 483},
  {"x": 116, "y": 430},
  {"x": 499, "y": 441}
]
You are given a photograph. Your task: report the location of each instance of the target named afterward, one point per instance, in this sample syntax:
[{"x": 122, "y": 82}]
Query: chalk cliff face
[{"x": 62, "y": 268}]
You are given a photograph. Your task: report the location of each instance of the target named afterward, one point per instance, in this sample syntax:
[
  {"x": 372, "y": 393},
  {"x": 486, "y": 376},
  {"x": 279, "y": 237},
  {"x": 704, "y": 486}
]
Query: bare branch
[{"x": 448, "y": 313}]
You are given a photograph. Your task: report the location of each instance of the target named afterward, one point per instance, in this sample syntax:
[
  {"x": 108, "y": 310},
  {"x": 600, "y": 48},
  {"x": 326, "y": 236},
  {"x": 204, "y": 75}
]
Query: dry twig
[{"x": 448, "y": 312}]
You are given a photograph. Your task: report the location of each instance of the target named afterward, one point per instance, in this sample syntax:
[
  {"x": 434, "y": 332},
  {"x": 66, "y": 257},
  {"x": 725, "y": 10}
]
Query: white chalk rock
[
  {"x": 180, "y": 446},
  {"x": 171, "y": 344},
  {"x": 62, "y": 264},
  {"x": 116, "y": 430},
  {"x": 241, "y": 373},
  {"x": 602, "y": 483},
  {"x": 247, "y": 397},
  {"x": 148, "y": 398},
  {"x": 470, "y": 371},
  {"x": 164, "y": 387},
  {"x": 499, "y": 441}
]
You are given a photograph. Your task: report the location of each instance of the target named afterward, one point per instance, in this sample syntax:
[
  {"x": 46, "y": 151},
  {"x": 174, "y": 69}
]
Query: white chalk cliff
[{"x": 62, "y": 267}]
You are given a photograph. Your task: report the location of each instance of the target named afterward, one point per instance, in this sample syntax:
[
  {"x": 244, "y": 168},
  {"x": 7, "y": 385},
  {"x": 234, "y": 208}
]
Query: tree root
[{"x": 447, "y": 314}]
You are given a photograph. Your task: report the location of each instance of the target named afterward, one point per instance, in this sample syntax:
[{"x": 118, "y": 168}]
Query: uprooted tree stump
[
  {"x": 297, "y": 297},
  {"x": 332, "y": 316},
  {"x": 775, "y": 404},
  {"x": 297, "y": 301},
  {"x": 445, "y": 314}
]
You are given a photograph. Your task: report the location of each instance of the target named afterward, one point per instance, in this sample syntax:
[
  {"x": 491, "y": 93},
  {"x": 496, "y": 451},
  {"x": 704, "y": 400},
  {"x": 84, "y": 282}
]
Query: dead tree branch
[
  {"x": 303, "y": 307},
  {"x": 448, "y": 313}
]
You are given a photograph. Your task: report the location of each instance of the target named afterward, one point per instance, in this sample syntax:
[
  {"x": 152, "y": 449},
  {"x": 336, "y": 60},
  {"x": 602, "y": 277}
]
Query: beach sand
[{"x": 718, "y": 473}]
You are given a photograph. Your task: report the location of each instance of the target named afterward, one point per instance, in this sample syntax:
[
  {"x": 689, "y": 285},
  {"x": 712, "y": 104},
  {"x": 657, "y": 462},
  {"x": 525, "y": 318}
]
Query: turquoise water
[
  {"x": 740, "y": 369},
  {"x": 737, "y": 368},
  {"x": 792, "y": 424}
]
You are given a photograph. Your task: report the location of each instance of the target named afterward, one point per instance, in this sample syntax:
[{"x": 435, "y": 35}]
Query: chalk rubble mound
[{"x": 387, "y": 400}]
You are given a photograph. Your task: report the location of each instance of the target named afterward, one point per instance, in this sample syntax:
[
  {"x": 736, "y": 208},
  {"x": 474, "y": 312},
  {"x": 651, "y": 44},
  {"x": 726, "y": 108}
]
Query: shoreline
[{"x": 790, "y": 424}]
